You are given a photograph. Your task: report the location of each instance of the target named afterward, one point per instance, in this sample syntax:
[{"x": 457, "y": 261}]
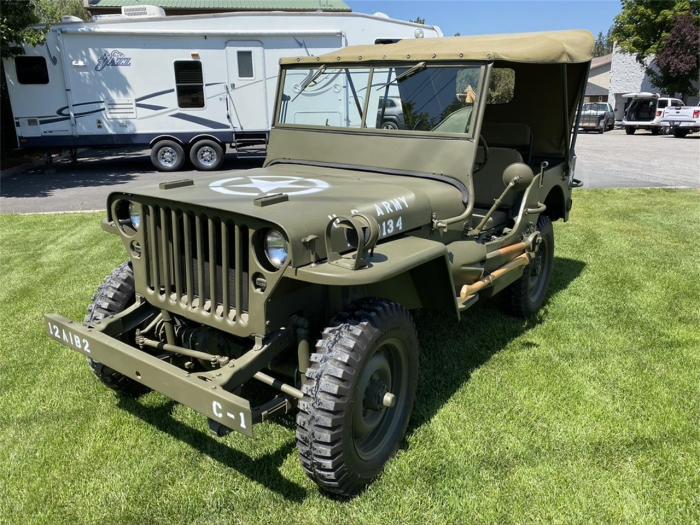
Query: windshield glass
[
  {"x": 595, "y": 107},
  {"x": 412, "y": 97}
]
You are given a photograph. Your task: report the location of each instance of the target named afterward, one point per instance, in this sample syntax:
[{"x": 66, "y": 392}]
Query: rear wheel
[
  {"x": 206, "y": 155},
  {"x": 527, "y": 295},
  {"x": 167, "y": 155},
  {"x": 630, "y": 130},
  {"x": 680, "y": 133},
  {"x": 655, "y": 131},
  {"x": 358, "y": 397},
  {"x": 390, "y": 124},
  {"x": 114, "y": 296}
]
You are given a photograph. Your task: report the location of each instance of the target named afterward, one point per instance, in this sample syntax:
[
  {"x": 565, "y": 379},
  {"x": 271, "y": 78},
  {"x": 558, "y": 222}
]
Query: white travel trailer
[{"x": 177, "y": 84}]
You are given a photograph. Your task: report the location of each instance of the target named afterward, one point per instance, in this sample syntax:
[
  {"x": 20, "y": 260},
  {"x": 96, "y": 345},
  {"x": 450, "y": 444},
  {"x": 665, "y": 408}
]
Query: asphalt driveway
[{"x": 612, "y": 160}]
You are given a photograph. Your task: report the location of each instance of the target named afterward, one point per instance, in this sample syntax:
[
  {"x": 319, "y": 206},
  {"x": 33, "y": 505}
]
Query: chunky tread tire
[
  {"x": 323, "y": 436},
  {"x": 115, "y": 295},
  {"x": 517, "y": 298}
]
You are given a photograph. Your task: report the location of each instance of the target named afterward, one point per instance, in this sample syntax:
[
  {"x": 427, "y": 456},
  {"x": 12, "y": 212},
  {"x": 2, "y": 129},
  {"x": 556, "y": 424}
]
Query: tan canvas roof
[{"x": 561, "y": 47}]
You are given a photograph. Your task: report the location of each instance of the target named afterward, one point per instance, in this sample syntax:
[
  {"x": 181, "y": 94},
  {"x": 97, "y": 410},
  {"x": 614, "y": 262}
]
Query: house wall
[{"x": 598, "y": 85}]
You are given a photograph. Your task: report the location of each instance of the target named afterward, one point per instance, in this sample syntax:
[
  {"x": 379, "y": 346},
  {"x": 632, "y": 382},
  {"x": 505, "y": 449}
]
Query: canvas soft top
[{"x": 560, "y": 47}]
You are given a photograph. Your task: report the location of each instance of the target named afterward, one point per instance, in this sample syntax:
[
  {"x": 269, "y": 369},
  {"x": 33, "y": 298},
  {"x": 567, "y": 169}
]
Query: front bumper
[{"x": 200, "y": 394}]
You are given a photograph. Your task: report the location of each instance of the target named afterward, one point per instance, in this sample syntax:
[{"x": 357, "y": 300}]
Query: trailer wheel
[
  {"x": 167, "y": 155},
  {"x": 114, "y": 296},
  {"x": 358, "y": 397},
  {"x": 527, "y": 295},
  {"x": 630, "y": 130},
  {"x": 206, "y": 155}
]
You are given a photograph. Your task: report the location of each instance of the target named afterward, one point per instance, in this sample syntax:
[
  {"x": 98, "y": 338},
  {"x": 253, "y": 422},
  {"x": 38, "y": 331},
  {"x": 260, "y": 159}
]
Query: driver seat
[{"x": 488, "y": 181}]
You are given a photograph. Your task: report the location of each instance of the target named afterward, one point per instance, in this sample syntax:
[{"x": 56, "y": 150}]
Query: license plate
[{"x": 70, "y": 338}]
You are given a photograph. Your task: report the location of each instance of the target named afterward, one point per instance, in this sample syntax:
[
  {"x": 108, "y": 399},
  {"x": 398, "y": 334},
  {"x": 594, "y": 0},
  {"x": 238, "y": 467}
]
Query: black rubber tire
[
  {"x": 325, "y": 431},
  {"x": 630, "y": 130},
  {"x": 390, "y": 124},
  {"x": 518, "y": 298},
  {"x": 175, "y": 149},
  {"x": 115, "y": 295},
  {"x": 680, "y": 133},
  {"x": 215, "y": 150},
  {"x": 655, "y": 131}
]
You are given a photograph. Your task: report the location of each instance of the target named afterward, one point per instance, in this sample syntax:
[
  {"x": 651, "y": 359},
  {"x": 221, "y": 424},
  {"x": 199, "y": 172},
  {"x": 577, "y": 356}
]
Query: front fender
[{"x": 419, "y": 266}]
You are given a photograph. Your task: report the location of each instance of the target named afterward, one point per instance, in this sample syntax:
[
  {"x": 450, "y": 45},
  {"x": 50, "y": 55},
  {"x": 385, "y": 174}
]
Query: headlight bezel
[
  {"x": 123, "y": 211},
  {"x": 278, "y": 255}
]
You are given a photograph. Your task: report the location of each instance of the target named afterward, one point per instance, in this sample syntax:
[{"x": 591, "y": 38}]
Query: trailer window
[
  {"x": 189, "y": 83},
  {"x": 245, "y": 64},
  {"x": 31, "y": 70}
]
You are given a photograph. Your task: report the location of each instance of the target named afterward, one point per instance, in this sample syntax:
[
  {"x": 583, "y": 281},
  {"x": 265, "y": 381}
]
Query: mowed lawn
[{"x": 589, "y": 413}]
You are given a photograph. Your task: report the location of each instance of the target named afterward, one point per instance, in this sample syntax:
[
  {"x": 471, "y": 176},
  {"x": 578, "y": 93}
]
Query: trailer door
[{"x": 247, "y": 93}]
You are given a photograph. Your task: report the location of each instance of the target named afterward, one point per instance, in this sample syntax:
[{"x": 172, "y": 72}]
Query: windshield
[
  {"x": 595, "y": 107},
  {"x": 412, "y": 97}
]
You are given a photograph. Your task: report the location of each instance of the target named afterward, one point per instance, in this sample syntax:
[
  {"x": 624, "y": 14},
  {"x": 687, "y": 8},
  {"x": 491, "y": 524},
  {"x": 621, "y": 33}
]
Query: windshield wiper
[
  {"x": 310, "y": 80},
  {"x": 420, "y": 66}
]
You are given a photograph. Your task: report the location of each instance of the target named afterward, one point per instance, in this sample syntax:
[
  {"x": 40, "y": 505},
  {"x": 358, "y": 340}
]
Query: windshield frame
[{"x": 482, "y": 65}]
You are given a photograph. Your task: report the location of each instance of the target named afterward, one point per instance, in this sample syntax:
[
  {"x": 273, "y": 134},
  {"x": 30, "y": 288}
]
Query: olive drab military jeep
[{"x": 417, "y": 174}]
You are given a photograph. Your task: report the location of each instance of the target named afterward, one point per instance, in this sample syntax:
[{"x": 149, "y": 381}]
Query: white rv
[{"x": 185, "y": 86}]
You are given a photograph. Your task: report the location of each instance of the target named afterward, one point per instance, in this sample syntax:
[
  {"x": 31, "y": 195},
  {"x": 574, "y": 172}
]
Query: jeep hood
[{"x": 315, "y": 195}]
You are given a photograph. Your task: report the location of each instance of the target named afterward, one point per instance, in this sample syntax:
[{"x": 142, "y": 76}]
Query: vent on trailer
[{"x": 141, "y": 11}]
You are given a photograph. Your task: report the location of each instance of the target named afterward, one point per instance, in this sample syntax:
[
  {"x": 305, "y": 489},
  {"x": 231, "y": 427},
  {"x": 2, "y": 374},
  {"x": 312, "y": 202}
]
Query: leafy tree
[
  {"x": 643, "y": 25},
  {"x": 27, "y": 21},
  {"x": 603, "y": 44},
  {"x": 677, "y": 61},
  {"x": 16, "y": 20}
]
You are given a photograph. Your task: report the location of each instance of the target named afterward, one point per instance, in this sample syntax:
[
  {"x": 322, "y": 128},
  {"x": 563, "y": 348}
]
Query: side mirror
[{"x": 519, "y": 174}]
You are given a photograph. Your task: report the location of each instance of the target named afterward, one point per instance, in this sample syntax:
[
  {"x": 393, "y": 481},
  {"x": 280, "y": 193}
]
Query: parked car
[
  {"x": 390, "y": 113},
  {"x": 597, "y": 116},
  {"x": 682, "y": 120},
  {"x": 645, "y": 111}
]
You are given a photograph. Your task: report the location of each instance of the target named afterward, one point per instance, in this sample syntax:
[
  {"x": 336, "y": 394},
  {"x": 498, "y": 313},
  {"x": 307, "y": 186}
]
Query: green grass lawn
[{"x": 590, "y": 413}]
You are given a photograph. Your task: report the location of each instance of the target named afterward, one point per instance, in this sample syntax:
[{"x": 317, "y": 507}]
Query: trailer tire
[
  {"x": 348, "y": 426},
  {"x": 167, "y": 155},
  {"x": 206, "y": 155},
  {"x": 115, "y": 295},
  {"x": 630, "y": 130},
  {"x": 526, "y": 296}
]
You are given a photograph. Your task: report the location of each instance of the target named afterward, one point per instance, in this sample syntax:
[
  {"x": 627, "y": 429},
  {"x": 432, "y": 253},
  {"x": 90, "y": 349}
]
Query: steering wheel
[{"x": 482, "y": 142}]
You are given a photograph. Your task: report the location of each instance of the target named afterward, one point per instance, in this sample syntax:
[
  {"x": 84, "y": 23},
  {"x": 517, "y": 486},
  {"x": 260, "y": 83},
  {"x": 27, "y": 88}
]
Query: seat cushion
[
  {"x": 488, "y": 181},
  {"x": 511, "y": 135}
]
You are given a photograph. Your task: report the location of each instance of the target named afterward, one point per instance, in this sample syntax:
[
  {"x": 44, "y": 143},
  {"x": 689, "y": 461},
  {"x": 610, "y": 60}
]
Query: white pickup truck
[
  {"x": 681, "y": 121},
  {"x": 644, "y": 111}
]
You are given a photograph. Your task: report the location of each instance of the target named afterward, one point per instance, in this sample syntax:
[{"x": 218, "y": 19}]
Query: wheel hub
[{"x": 167, "y": 156}]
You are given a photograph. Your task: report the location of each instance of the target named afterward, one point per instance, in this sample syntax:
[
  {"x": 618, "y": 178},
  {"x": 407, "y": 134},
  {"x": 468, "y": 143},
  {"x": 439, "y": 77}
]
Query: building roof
[
  {"x": 601, "y": 61},
  {"x": 561, "y": 47},
  {"x": 228, "y": 5}
]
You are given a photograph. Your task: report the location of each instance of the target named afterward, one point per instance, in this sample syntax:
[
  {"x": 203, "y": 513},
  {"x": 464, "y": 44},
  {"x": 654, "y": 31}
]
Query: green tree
[
  {"x": 642, "y": 25},
  {"x": 27, "y": 21},
  {"x": 17, "y": 19}
]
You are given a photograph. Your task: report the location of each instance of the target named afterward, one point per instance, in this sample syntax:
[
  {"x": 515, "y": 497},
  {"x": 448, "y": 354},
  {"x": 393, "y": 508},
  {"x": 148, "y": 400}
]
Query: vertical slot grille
[{"x": 197, "y": 261}]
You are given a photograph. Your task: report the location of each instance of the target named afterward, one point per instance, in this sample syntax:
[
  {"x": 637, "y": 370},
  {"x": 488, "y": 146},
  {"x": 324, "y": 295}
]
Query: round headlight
[
  {"x": 134, "y": 216},
  {"x": 276, "y": 248}
]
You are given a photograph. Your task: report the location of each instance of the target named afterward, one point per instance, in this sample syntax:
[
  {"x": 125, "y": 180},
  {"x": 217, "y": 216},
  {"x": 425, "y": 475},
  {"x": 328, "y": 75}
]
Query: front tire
[
  {"x": 526, "y": 296},
  {"x": 206, "y": 155},
  {"x": 347, "y": 426},
  {"x": 114, "y": 296},
  {"x": 167, "y": 155}
]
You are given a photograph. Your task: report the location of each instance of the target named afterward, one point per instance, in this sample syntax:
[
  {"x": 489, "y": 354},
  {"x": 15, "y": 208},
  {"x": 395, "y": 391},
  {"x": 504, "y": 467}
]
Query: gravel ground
[{"x": 612, "y": 160}]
